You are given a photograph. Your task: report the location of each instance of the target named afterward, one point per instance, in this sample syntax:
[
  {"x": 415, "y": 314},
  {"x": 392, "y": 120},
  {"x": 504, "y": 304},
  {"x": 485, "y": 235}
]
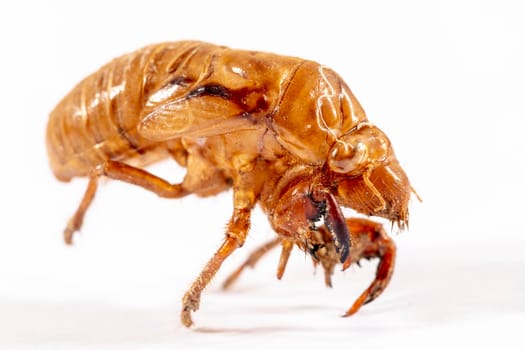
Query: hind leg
[
  {"x": 75, "y": 222},
  {"x": 123, "y": 172}
]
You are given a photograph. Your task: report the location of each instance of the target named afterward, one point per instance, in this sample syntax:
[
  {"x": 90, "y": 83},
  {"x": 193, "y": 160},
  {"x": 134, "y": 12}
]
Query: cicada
[{"x": 282, "y": 132}]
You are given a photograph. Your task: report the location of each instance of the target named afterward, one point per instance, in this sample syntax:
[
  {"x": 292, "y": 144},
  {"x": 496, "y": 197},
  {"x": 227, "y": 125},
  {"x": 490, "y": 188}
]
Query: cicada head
[
  {"x": 383, "y": 190},
  {"x": 367, "y": 174}
]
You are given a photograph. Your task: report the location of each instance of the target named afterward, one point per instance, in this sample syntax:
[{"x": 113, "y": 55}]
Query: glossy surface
[{"x": 283, "y": 132}]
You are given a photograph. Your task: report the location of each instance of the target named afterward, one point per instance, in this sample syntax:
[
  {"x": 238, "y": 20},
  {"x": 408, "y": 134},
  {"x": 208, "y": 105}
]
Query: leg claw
[{"x": 185, "y": 318}]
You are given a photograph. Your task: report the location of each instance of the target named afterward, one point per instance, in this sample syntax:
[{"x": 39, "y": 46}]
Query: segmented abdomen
[{"x": 98, "y": 119}]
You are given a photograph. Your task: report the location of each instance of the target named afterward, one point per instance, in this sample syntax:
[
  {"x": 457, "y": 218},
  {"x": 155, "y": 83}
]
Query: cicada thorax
[
  {"x": 314, "y": 111},
  {"x": 216, "y": 91}
]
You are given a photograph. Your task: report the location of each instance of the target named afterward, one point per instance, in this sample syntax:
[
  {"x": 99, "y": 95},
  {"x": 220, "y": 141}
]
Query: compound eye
[
  {"x": 359, "y": 150},
  {"x": 346, "y": 158}
]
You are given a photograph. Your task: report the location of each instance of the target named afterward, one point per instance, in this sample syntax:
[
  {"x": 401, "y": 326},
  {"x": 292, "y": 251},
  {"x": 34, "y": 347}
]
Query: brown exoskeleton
[{"x": 283, "y": 132}]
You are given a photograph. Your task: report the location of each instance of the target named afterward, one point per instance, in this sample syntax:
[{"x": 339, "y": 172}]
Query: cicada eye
[
  {"x": 359, "y": 150},
  {"x": 347, "y": 158}
]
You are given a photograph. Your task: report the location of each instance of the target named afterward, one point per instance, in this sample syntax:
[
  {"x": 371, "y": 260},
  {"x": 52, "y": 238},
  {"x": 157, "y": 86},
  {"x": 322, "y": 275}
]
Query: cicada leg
[
  {"x": 287, "y": 247},
  {"x": 257, "y": 254},
  {"x": 244, "y": 199},
  {"x": 123, "y": 172},
  {"x": 235, "y": 236},
  {"x": 75, "y": 222},
  {"x": 251, "y": 261},
  {"x": 371, "y": 241}
]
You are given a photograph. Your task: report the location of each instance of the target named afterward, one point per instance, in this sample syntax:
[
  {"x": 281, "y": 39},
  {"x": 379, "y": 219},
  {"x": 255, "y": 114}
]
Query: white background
[{"x": 445, "y": 81}]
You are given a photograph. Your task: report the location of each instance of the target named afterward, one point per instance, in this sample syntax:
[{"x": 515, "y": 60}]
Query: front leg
[
  {"x": 371, "y": 241},
  {"x": 236, "y": 233}
]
